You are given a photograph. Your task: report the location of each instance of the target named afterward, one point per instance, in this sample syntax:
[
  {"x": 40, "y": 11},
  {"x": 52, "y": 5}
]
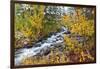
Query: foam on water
[{"x": 25, "y": 52}]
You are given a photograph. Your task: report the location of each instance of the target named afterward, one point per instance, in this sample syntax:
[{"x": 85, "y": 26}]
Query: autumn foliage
[{"x": 34, "y": 22}]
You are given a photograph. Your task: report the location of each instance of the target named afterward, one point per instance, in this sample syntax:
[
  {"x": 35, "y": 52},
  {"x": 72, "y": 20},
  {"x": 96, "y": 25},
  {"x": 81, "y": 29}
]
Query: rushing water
[{"x": 54, "y": 40}]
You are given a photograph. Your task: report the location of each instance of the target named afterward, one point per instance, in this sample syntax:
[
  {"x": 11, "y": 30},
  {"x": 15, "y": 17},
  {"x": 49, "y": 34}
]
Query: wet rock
[
  {"x": 42, "y": 46},
  {"x": 68, "y": 32},
  {"x": 44, "y": 51},
  {"x": 27, "y": 46},
  {"x": 37, "y": 45}
]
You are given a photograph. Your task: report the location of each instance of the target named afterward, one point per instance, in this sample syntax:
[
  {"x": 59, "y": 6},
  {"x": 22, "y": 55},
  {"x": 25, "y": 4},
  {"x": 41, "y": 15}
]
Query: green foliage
[
  {"x": 79, "y": 25},
  {"x": 27, "y": 24},
  {"x": 52, "y": 58},
  {"x": 33, "y": 22}
]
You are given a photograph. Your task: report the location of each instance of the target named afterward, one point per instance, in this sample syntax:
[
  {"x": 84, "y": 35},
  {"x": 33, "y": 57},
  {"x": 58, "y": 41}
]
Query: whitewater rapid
[{"x": 54, "y": 40}]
